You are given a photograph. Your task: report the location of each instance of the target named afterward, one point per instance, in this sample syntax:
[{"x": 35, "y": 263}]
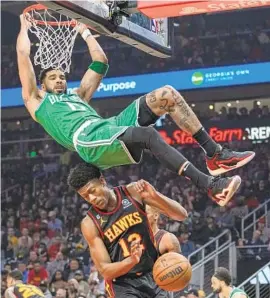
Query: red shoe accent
[{"x": 217, "y": 165}]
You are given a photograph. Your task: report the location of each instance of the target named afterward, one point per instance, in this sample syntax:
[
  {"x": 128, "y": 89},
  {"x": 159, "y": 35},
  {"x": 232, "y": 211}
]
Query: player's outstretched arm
[
  {"x": 96, "y": 70},
  {"x": 144, "y": 191},
  {"x": 169, "y": 243},
  {"x": 26, "y": 70},
  {"x": 100, "y": 255}
]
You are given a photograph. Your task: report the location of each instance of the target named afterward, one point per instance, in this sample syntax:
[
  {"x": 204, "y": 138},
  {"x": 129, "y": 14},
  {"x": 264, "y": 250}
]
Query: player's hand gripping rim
[{"x": 26, "y": 21}]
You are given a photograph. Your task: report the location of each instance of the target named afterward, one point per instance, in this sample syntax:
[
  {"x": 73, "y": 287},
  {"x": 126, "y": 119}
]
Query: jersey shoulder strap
[
  {"x": 237, "y": 291},
  {"x": 158, "y": 236}
]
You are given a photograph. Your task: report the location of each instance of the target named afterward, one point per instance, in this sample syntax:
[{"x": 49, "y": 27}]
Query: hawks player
[
  {"x": 165, "y": 241},
  {"x": 17, "y": 289},
  {"x": 116, "y": 228}
]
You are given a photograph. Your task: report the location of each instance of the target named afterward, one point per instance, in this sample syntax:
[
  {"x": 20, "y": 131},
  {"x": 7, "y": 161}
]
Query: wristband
[
  {"x": 99, "y": 67},
  {"x": 86, "y": 33}
]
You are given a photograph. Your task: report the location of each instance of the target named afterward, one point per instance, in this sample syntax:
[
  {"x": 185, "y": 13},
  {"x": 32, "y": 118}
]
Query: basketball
[{"x": 172, "y": 272}]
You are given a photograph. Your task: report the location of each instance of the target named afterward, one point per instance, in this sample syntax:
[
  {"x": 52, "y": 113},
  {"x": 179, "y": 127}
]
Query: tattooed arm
[
  {"x": 168, "y": 100},
  {"x": 91, "y": 79},
  {"x": 169, "y": 243}
]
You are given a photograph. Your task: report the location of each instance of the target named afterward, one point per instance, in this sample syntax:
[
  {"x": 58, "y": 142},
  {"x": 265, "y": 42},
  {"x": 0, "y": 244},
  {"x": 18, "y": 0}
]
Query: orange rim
[{"x": 40, "y": 7}]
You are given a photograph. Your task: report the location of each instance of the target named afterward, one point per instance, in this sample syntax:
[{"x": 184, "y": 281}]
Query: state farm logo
[
  {"x": 221, "y": 135},
  {"x": 191, "y": 9},
  {"x": 218, "y": 5}
]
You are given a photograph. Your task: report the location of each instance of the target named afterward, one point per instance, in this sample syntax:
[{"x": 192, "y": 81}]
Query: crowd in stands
[{"x": 201, "y": 41}]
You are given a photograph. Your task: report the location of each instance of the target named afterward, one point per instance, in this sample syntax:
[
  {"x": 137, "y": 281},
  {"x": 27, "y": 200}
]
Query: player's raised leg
[
  {"x": 219, "y": 160},
  {"x": 219, "y": 189}
]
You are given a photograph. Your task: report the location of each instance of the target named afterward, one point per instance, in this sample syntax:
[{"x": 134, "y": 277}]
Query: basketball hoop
[{"x": 56, "y": 34}]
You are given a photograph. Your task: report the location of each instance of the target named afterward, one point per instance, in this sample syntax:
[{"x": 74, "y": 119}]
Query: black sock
[
  {"x": 196, "y": 176},
  {"x": 206, "y": 142}
]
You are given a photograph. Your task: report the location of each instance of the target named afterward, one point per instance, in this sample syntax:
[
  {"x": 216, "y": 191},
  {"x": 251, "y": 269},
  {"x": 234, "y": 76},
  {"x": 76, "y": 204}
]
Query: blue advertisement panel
[{"x": 225, "y": 76}]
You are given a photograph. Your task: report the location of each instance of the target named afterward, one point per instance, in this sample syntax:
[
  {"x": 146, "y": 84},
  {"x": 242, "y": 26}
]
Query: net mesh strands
[{"x": 56, "y": 34}]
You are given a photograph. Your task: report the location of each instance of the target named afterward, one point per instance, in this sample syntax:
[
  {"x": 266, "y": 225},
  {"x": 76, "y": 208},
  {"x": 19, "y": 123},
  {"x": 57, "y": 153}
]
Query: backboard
[{"x": 153, "y": 36}]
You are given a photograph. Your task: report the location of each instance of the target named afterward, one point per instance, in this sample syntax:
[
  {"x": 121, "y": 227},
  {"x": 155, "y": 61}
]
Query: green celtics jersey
[
  {"x": 237, "y": 291},
  {"x": 62, "y": 114}
]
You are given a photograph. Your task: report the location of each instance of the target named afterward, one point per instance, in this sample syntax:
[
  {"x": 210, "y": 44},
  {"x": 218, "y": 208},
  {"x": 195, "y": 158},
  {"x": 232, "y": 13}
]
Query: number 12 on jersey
[{"x": 125, "y": 244}]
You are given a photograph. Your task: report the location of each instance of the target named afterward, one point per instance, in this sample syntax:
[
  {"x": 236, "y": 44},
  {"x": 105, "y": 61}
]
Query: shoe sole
[
  {"x": 240, "y": 164},
  {"x": 231, "y": 190}
]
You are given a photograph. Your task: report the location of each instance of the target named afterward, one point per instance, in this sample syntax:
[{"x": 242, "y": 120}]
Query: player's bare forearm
[
  {"x": 23, "y": 43},
  {"x": 89, "y": 85},
  {"x": 95, "y": 50},
  {"x": 169, "y": 207},
  {"x": 169, "y": 243},
  {"x": 26, "y": 70},
  {"x": 92, "y": 78},
  {"x": 145, "y": 192},
  {"x": 113, "y": 270}
]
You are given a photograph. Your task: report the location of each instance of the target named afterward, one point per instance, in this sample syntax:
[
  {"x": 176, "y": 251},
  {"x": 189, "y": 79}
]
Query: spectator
[
  {"x": 73, "y": 288},
  {"x": 187, "y": 246},
  {"x": 225, "y": 219},
  {"x": 23, "y": 248},
  {"x": 25, "y": 233},
  {"x": 256, "y": 242},
  {"x": 54, "y": 224},
  {"x": 61, "y": 293},
  {"x": 265, "y": 231},
  {"x": 37, "y": 274},
  {"x": 44, "y": 288},
  {"x": 93, "y": 288},
  {"x": 44, "y": 234},
  {"x": 56, "y": 265},
  {"x": 12, "y": 239},
  {"x": 239, "y": 212},
  {"x": 262, "y": 192},
  {"x": 73, "y": 266},
  {"x": 58, "y": 281},
  {"x": 83, "y": 285},
  {"x": 22, "y": 267},
  {"x": 55, "y": 247},
  {"x": 192, "y": 293}
]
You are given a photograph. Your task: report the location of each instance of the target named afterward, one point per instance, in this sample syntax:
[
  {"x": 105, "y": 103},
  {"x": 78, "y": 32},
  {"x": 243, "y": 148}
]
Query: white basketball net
[{"x": 55, "y": 42}]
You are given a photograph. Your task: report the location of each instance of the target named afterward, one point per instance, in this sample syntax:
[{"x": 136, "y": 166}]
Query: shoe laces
[
  {"x": 216, "y": 182},
  {"x": 227, "y": 148}
]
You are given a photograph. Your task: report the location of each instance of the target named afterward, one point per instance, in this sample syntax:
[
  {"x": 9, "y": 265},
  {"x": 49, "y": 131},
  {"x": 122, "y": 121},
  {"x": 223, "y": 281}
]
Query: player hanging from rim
[
  {"x": 165, "y": 241},
  {"x": 221, "y": 285},
  {"x": 116, "y": 229},
  {"x": 17, "y": 289},
  {"x": 120, "y": 140}
]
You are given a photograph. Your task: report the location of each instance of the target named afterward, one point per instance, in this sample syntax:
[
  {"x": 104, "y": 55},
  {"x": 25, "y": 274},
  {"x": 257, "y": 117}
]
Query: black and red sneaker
[
  {"x": 221, "y": 190},
  {"x": 226, "y": 160}
]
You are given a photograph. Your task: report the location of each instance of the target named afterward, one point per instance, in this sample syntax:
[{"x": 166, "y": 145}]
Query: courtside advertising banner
[
  {"x": 255, "y": 130},
  {"x": 175, "y": 8},
  {"x": 202, "y": 78}
]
